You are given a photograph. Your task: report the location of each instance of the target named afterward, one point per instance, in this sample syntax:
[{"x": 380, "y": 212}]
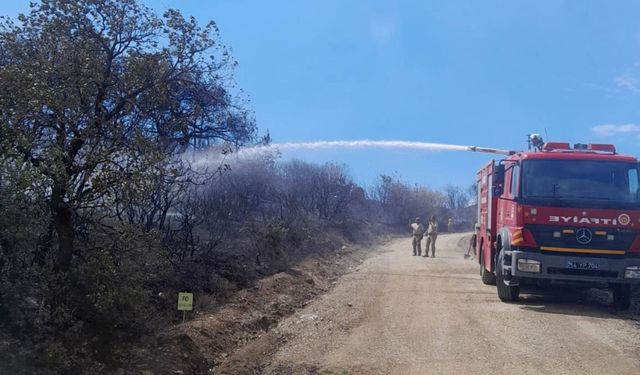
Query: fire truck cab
[{"x": 560, "y": 214}]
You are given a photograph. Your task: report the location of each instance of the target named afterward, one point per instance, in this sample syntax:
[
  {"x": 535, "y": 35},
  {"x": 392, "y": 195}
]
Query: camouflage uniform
[
  {"x": 432, "y": 235},
  {"x": 418, "y": 232}
]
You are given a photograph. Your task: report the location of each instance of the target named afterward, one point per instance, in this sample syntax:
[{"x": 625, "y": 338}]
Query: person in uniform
[
  {"x": 473, "y": 243},
  {"x": 432, "y": 235},
  {"x": 417, "y": 230}
]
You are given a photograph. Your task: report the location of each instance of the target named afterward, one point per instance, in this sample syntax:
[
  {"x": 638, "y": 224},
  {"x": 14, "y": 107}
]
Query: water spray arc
[
  {"x": 424, "y": 146},
  {"x": 214, "y": 156}
]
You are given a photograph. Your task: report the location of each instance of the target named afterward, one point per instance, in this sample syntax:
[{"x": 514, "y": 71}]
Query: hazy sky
[{"x": 474, "y": 73}]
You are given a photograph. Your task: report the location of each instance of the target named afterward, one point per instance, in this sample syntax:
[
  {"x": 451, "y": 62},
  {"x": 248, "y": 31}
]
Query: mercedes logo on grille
[{"x": 584, "y": 236}]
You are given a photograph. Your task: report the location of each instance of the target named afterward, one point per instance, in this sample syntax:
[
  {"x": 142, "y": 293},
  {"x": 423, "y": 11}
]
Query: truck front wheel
[
  {"x": 622, "y": 296},
  {"x": 506, "y": 293}
]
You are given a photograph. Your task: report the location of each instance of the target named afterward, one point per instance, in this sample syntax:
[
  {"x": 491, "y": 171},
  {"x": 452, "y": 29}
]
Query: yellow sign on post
[{"x": 185, "y": 301}]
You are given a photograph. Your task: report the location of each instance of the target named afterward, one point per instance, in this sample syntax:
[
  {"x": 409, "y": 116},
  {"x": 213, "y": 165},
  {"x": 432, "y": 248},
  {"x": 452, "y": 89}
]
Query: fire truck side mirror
[
  {"x": 498, "y": 179},
  {"x": 498, "y": 175}
]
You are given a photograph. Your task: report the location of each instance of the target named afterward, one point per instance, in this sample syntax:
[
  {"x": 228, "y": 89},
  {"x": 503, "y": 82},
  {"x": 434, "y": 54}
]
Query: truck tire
[
  {"x": 622, "y": 296},
  {"x": 506, "y": 293},
  {"x": 488, "y": 278}
]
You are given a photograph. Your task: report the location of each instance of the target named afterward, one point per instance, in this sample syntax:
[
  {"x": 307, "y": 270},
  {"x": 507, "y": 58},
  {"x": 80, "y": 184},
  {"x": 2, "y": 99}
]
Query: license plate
[{"x": 582, "y": 265}]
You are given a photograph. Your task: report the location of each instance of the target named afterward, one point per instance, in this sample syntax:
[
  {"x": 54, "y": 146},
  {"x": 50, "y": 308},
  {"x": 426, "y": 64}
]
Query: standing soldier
[
  {"x": 432, "y": 234},
  {"x": 450, "y": 225},
  {"x": 417, "y": 230},
  {"x": 473, "y": 243}
]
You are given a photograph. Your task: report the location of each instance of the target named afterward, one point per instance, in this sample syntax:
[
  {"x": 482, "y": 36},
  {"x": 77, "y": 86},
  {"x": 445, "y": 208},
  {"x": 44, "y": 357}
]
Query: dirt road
[{"x": 399, "y": 314}]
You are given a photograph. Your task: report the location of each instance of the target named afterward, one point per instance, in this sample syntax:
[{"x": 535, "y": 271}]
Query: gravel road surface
[{"x": 400, "y": 314}]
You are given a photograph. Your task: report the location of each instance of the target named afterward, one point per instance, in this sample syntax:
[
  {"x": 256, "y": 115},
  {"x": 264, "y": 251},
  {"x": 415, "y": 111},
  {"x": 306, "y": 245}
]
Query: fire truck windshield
[{"x": 583, "y": 183}]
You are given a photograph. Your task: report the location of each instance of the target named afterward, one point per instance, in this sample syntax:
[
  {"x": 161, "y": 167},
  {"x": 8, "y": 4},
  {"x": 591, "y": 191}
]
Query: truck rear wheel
[
  {"x": 488, "y": 278},
  {"x": 506, "y": 293},
  {"x": 622, "y": 296}
]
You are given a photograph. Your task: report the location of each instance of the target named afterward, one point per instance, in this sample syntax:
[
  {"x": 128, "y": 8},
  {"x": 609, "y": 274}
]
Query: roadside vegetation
[{"x": 104, "y": 216}]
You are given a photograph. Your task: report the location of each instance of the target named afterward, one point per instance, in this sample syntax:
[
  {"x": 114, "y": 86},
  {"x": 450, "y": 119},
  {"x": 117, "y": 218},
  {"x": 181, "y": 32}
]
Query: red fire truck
[{"x": 560, "y": 214}]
